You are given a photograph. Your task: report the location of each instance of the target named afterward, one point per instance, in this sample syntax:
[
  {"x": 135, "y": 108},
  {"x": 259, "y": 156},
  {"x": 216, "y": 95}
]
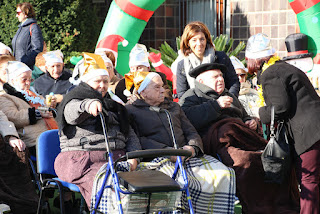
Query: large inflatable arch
[{"x": 126, "y": 19}]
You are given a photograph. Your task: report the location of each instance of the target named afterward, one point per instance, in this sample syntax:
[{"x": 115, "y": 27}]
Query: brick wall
[
  {"x": 162, "y": 26},
  {"x": 274, "y": 18}
]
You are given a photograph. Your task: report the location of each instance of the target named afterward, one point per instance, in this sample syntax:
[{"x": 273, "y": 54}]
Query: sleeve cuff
[{"x": 32, "y": 116}]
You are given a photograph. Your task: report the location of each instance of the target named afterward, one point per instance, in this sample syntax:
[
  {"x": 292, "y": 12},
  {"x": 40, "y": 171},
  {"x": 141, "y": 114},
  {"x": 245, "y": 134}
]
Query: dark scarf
[{"x": 84, "y": 91}]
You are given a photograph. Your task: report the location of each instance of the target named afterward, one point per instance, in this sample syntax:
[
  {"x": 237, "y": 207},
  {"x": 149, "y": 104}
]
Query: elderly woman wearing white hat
[
  {"x": 286, "y": 87},
  {"x": 81, "y": 137},
  {"x": 20, "y": 104}
]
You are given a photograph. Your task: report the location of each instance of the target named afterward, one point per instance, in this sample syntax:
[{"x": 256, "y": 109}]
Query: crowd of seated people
[{"x": 219, "y": 127}]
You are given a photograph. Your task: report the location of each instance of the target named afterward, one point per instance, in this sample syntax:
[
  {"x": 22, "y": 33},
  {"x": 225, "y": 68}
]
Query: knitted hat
[
  {"x": 94, "y": 66},
  {"x": 110, "y": 43},
  {"x": 207, "y": 67},
  {"x": 3, "y": 46},
  {"x": 139, "y": 56},
  {"x": 259, "y": 46},
  {"x": 297, "y": 46},
  {"x": 140, "y": 80},
  {"x": 15, "y": 68},
  {"x": 237, "y": 64},
  {"x": 52, "y": 57}
]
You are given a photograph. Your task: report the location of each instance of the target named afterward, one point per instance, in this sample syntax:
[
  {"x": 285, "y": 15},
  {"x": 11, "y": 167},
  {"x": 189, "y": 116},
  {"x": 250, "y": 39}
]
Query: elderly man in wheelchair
[{"x": 161, "y": 124}]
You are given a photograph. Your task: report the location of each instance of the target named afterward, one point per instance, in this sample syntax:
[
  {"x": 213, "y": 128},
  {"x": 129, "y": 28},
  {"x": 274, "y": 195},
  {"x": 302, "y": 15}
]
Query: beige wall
[{"x": 272, "y": 17}]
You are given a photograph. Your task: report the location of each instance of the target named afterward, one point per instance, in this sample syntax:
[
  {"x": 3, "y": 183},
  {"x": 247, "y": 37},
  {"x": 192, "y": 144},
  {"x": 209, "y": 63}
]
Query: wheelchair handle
[{"x": 153, "y": 153}]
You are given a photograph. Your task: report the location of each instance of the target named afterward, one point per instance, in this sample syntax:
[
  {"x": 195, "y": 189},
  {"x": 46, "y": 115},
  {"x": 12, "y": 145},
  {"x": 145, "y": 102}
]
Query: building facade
[{"x": 239, "y": 19}]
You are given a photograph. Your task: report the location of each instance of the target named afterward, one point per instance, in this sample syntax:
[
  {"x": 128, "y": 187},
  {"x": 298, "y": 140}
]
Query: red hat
[{"x": 110, "y": 43}]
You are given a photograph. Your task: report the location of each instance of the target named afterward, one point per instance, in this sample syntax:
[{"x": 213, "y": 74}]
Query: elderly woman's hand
[
  {"x": 252, "y": 124},
  {"x": 133, "y": 164},
  {"x": 225, "y": 101},
  {"x": 46, "y": 114},
  {"x": 95, "y": 107},
  {"x": 16, "y": 142}
]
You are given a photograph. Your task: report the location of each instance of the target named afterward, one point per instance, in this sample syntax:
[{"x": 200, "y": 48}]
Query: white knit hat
[
  {"x": 3, "y": 46},
  {"x": 259, "y": 46},
  {"x": 237, "y": 64},
  {"x": 139, "y": 56},
  {"x": 52, "y": 57},
  {"x": 15, "y": 68}
]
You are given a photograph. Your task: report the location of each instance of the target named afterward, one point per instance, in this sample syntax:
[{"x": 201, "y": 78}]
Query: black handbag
[{"x": 276, "y": 158}]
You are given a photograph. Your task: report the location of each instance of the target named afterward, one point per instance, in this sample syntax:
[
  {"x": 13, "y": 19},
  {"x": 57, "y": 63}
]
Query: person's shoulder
[
  {"x": 29, "y": 22},
  {"x": 179, "y": 61},
  {"x": 66, "y": 74},
  {"x": 189, "y": 93},
  {"x": 40, "y": 79}
]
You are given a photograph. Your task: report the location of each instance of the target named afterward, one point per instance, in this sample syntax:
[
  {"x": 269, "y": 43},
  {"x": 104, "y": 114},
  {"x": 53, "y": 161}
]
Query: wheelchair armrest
[{"x": 153, "y": 153}]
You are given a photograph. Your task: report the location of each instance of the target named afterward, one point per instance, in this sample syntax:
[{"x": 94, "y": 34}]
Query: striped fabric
[{"x": 211, "y": 184}]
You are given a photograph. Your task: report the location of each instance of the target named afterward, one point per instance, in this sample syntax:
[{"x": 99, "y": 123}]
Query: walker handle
[{"x": 153, "y": 153}]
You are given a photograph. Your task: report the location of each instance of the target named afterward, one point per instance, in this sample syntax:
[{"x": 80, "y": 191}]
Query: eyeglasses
[{"x": 18, "y": 12}]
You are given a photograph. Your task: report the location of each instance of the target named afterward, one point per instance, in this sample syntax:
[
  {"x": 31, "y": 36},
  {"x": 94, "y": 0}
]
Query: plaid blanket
[{"x": 211, "y": 185}]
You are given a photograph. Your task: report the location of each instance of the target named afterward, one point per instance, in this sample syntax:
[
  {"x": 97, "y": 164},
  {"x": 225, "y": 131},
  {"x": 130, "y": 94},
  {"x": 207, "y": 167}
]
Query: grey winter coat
[
  {"x": 153, "y": 128},
  {"x": 202, "y": 108},
  {"x": 26, "y": 47},
  {"x": 80, "y": 132}
]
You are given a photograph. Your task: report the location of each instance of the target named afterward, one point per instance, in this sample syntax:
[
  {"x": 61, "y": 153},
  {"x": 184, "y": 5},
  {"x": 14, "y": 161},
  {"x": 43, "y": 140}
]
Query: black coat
[
  {"x": 296, "y": 101},
  {"x": 153, "y": 128},
  {"x": 203, "y": 110},
  {"x": 26, "y": 48}
]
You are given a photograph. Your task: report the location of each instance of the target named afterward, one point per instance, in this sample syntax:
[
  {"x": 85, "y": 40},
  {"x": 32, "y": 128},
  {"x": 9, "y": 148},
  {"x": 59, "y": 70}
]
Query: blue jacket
[{"x": 25, "y": 48}]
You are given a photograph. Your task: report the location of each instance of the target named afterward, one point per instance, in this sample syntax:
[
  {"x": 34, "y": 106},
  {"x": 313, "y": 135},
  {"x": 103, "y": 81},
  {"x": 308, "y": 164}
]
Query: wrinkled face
[
  {"x": 198, "y": 44},
  {"x": 139, "y": 68},
  {"x": 55, "y": 69},
  {"x": 241, "y": 75},
  {"x": 23, "y": 81},
  {"x": 100, "y": 84},
  {"x": 153, "y": 94},
  {"x": 20, "y": 15},
  {"x": 213, "y": 79}
]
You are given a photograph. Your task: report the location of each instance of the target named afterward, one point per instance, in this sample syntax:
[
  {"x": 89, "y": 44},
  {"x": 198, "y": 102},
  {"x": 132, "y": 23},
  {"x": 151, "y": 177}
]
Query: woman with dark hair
[
  {"x": 28, "y": 41},
  {"x": 197, "y": 48}
]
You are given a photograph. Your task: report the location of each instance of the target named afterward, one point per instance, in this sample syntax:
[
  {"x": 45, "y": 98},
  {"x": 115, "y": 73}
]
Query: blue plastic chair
[{"x": 48, "y": 148}]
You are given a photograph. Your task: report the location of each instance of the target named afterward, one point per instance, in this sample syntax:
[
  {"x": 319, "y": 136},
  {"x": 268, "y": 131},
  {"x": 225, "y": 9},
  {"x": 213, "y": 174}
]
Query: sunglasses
[
  {"x": 18, "y": 12},
  {"x": 241, "y": 75}
]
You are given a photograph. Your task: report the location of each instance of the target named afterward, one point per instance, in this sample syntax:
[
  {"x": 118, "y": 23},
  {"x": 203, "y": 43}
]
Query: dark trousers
[{"x": 308, "y": 174}]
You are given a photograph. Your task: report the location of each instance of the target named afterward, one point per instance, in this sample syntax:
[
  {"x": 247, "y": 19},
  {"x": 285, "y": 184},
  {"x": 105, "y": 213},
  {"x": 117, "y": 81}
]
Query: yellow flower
[{"x": 271, "y": 61}]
